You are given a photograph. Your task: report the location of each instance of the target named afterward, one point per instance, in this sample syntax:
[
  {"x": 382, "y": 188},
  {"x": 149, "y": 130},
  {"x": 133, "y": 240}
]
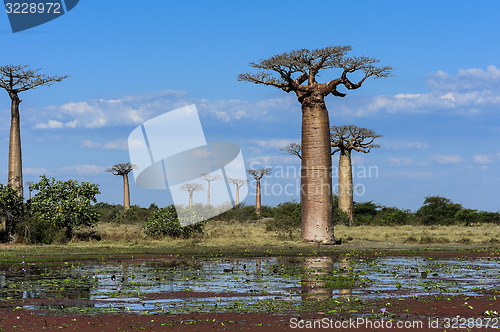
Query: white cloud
[
  {"x": 482, "y": 159},
  {"x": 83, "y": 169},
  {"x": 398, "y": 145},
  {"x": 273, "y": 143},
  {"x": 135, "y": 109},
  {"x": 469, "y": 91},
  {"x": 400, "y": 161},
  {"x": 418, "y": 175},
  {"x": 120, "y": 144},
  {"x": 34, "y": 171},
  {"x": 447, "y": 158},
  {"x": 265, "y": 161}
]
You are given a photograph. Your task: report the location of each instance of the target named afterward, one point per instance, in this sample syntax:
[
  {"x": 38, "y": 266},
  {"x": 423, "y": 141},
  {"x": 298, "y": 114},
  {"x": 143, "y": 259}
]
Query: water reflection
[
  {"x": 314, "y": 283},
  {"x": 218, "y": 284}
]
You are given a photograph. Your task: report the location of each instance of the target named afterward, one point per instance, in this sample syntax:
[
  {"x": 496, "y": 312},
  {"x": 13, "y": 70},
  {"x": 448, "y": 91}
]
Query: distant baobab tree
[
  {"x": 294, "y": 149},
  {"x": 258, "y": 174},
  {"x": 16, "y": 79},
  {"x": 238, "y": 183},
  {"x": 344, "y": 140},
  {"x": 29, "y": 183},
  {"x": 209, "y": 178},
  {"x": 191, "y": 187},
  {"x": 123, "y": 170},
  {"x": 296, "y": 71}
]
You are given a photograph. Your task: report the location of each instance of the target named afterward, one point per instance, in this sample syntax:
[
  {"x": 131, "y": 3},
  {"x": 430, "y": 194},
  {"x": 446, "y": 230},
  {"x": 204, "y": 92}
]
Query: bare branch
[
  {"x": 259, "y": 173},
  {"x": 191, "y": 187},
  {"x": 19, "y": 78},
  {"x": 121, "y": 169},
  {"x": 237, "y": 182},
  {"x": 293, "y": 149},
  {"x": 349, "y": 137}
]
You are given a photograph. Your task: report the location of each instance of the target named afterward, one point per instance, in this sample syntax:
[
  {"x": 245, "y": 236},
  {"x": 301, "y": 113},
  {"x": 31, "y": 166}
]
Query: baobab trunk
[
  {"x": 257, "y": 198},
  {"x": 208, "y": 193},
  {"x": 190, "y": 199},
  {"x": 237, "y": 196},
  {"x": 345, "y": 184},
  {"x": 15, "y": 173},
  {"x": 316, "y": 172},
  {"x": 126, "y": 192}
]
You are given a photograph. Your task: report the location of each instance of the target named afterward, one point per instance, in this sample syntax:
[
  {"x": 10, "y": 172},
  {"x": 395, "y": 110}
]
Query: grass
[{"x": 249, "y": 239}]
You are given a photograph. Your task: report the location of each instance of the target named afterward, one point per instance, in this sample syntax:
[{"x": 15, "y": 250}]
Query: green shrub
[
  {"x": 11, "y": 209},
  {"x": 58, "y": 206},
  {"x": 287, "y": 219},
  {"x": 164, "y": 222}
]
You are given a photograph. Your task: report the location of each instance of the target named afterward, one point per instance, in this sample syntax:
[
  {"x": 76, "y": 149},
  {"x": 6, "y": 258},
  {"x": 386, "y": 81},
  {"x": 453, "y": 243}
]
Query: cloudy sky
[{"x": 130, "y": 61}]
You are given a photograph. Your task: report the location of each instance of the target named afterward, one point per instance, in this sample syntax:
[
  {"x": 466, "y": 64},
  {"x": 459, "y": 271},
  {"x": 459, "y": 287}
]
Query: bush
[
  {"x": 438, "y": 210},
  {"x": 58, "y": 206},
  {"x": 164, "y": 222},
  {"x": 11, "y": 209},
  {"x": 287, "y": 218}
]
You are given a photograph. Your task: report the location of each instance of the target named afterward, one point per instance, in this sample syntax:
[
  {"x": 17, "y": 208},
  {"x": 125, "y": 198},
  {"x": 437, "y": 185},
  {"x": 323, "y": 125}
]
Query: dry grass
[
  {"x": 222, "y": 234},
  {"x": 480, "y": 234}
]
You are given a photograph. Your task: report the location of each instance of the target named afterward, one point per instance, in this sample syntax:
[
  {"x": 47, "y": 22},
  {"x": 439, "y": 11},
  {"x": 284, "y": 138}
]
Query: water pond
[{"x": 278, "y": 284}]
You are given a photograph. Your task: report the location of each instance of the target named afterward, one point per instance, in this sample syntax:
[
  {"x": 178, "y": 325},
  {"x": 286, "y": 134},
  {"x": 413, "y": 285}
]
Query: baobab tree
[
  {"x": 344, "y": 140},
  {"x": 238, "y": 183},
  {"x": 296, "y": 71},
  {"x": 294, "y": 149},
  {"x": 209, "y": 178},
  {"x": 123, "y": 170},
  {"x": 16, "y": 79},
  {"x": 29, "y": 183},
  {"x": 258, "y": 174},
  {"x": 191, "y": 187}
]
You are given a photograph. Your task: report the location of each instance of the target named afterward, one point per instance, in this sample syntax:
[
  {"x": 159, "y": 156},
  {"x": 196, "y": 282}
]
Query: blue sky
[{"x": 130, "y": 61}]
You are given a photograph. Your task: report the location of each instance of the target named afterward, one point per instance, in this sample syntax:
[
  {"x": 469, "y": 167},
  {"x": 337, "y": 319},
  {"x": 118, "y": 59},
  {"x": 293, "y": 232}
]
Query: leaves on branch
[{"x": 293, "y": 149}]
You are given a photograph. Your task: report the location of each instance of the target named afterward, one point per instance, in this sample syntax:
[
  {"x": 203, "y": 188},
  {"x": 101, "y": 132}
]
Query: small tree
[
  {"x": 64, "y": 204},
  {"x": 345, "y": 139},
  {"x": 257, "y": 174},
  {"x": 123, "y": 170},
  {"x": 191, "y": 187},
  {"x": 296, "y": 72},
  {"x": 209, "y": 178},
  {"x": 16, "y": 79},
  {"x": 238, "y": 183},
  {"x": 11, "y": 207}
]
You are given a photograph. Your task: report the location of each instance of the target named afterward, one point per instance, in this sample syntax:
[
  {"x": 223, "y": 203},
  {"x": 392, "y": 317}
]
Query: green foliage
[
  {"x": 11, "y": 208},
  {"x": 287, "y": 218},
  {"x": 116, "y": 213},
  {"x": 60, "y": 205},
  {"x": 438, "y": 210},
  {"x": 242, "y": 213},
  {"x": 164, "y": 222}
]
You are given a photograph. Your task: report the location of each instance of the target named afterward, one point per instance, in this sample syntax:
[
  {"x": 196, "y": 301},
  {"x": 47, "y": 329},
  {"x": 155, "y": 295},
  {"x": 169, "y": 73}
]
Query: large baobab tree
[
  {"x": 258, "y": 174},
  {"x": 296, "y": 71},
  {"x": 346, "y": 139},
  {"x": 16, "y": 79},
  {"x": 191, "y": 187},
  {"x": 209, "y": 178},
  {"x": 123, "y": 170},
  {"x": 238, "y": 183}
]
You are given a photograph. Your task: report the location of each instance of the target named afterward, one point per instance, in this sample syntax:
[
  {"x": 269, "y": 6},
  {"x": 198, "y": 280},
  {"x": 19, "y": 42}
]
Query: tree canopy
[{"x": 349, "y": 137}]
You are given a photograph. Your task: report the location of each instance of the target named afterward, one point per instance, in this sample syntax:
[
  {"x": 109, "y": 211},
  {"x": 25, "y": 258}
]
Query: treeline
[{"x": 58, "y": 208}]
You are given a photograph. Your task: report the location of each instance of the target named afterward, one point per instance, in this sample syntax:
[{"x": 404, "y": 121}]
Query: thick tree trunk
[
  {"x": 316, "y": 172},
  {"x": 345, "y": 183},
  {"x": 15, "y": 172},
  {"x": 126, "y": 192},
  {"x": 257, "y": 198},
  {"x": 190, "y": 199},
  {"x": 237, "y": 196},
  {"x": 208, "y": 193}
]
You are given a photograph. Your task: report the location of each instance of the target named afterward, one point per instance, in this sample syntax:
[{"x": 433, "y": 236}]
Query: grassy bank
[{"x": 221, "y": 238}]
